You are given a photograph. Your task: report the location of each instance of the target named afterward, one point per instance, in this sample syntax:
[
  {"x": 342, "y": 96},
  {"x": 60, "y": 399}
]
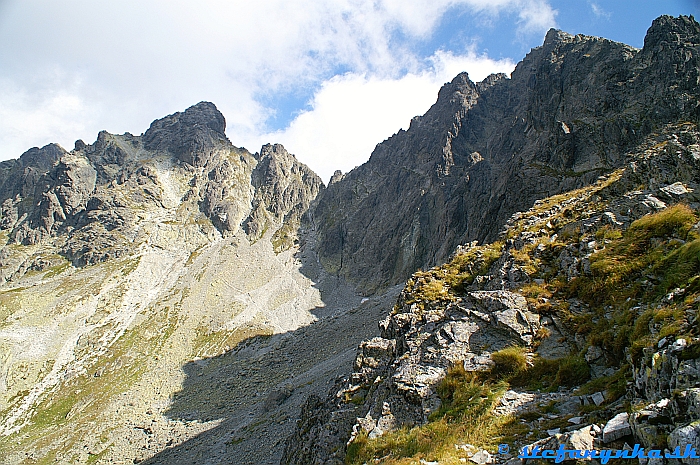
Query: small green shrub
[
  {"x": 691, "y": 352},
  {"x": 461, "y": 271},
  {"x": 673, "y": 221},
  {"x": 539, "y": 376},
  {"x": 615, "y": 384}
]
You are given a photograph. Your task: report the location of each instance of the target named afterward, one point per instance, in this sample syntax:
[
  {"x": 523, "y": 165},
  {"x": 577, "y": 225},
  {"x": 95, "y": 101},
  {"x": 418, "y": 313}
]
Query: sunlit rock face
[{"x": 125, "y": 260}]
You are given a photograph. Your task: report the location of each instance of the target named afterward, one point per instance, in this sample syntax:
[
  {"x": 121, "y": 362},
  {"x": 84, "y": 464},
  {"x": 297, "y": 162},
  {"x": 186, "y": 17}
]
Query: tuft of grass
[
  {"x": 285, "y": 237},
  {"x": 509, "y": 361},
  {"x": 443, "y": 283},
  {"x": 608, "y": 233},
  {"x": 661, "y": 244},
  {"x": 615, "y": 384},
  {"x": 637, "y": 269},
  {"x": 433, "y": 289},
  {"x": 573, "y": 371},
  {"x": 426, "y": 287}
]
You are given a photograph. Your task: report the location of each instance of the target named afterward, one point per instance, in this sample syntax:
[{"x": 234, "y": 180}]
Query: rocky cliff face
[
  {"x": 284, "y": 190},
  {"x": 568, "y": 113},
  {"x": 603, "y": 278}
]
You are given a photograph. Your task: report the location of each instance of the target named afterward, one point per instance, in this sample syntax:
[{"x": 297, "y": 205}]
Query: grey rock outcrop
[
  {"x": 64, "y": 192},
  {"x": 284, "y": 189},
  {"x": 616, "y": 428},
  {"x": 191, "y": 136},
  {"x": 395, "y": 376},
  {"x": 568, "y": 113},
  {"x": 88, "y": 200},
  {"x": 19, "y": 179}
]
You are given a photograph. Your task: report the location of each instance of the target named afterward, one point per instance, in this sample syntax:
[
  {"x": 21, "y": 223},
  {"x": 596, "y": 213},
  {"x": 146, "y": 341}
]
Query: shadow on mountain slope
[{"x": 253, "y": 393}]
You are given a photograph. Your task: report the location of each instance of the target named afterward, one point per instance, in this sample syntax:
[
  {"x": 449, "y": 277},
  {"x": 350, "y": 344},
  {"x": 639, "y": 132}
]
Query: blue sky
[{"x": 329, "y": 79}]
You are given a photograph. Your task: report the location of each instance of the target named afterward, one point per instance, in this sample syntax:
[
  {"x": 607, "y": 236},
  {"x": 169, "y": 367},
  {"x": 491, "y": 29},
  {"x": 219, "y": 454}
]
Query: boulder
[{"x": 616, "y": 428}]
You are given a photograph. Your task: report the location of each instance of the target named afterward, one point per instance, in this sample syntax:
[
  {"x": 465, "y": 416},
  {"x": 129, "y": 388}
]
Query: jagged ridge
[{"x": 568, "y": 114}]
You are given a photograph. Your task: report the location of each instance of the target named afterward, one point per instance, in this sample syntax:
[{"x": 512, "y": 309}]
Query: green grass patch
[
  {"x": 660, "y": 245},
  {"x": 62, "y": 415},
  {"x": 130, "y": 265},
  {"x": 550, "y": 374},
  {"x": 444, "y": 283},
  {"x": 57, "y": 269},
  {"x": 638, "y": 267},
  {"x": 465, "y": 267},
  {"x": 464, "y": 417},
  {"x": 285, "y": 237},
  {"x": 94, "y": 458}
]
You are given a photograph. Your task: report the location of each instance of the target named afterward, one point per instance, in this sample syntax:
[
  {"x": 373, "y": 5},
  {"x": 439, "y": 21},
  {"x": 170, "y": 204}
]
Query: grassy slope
[{"x": 643, "y": 284}]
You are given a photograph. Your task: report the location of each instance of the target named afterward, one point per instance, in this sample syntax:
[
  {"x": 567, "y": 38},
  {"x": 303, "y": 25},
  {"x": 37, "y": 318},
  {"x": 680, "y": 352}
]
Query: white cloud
[
  {"x": 352, "y": 113},
  {"x": 132, "y": 61},
  {"x": 39, "y": 117},
  {"x": 598, "y": 11},
  {"x": 536, "y": 16}
]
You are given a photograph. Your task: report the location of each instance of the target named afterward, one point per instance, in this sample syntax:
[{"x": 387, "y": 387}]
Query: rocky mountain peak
[
  {"x": 555, "y": 37},
  {"x": 192, "y": 136},
  {"x": 284, "y": 189},
  {"x": 570, "y": 111},
  {"x": 455, "y": 90},
  {"x": 87, "y": 197},
  {"x": 20, "y": 177},
  {"x": 205, "y": 113},
  {"x": 271, "y": 151},
  {"x": 669, "y": 31},
  {"x": 42, "y": 158}
]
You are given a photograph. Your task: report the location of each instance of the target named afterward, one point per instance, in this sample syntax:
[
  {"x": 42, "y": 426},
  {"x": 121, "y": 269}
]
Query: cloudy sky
[{"x": 327, "y": 78}]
